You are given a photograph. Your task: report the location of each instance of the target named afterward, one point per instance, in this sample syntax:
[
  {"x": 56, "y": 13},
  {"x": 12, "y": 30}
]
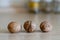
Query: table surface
[{"x": 21, "y": 16}]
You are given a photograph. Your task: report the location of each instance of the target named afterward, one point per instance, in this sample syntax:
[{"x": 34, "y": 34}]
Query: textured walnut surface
[
  {"x": 28, "y": 26},
  {"x": 45, "y": 26},
  {"x": 14, "y": 27}
]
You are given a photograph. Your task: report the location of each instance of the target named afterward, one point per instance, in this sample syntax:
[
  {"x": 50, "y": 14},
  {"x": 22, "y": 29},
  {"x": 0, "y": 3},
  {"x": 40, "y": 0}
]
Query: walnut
[
  {"x": 29, "y": 26},
  {"x": 14, "y": 27},
  {"x": 45, "y": 26}
]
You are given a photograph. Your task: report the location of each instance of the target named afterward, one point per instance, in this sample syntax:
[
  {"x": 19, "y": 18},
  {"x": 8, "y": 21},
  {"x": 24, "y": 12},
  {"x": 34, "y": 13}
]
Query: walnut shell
[
  {"x": 14, "y": 27},
  {"x": 45, "y": 26},
  {"x": 29, "y": 26}
]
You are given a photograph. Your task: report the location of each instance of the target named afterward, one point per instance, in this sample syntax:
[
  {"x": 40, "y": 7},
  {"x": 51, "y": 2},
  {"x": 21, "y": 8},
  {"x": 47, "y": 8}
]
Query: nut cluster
[{"x": 29, "y": 27}]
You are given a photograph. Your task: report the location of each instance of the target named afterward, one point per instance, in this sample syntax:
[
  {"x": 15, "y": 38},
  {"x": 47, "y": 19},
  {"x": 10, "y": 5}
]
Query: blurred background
[
  {"x": 44, "y": 5},
  {"x": 9, "y": 3}
]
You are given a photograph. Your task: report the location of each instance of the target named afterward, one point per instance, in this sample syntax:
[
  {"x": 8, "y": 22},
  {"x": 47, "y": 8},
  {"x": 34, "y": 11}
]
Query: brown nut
[
  {"x": 45, "y": 26},
  {"x": 14, "y": 27},
  {"x": 29, "y": 26}
]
